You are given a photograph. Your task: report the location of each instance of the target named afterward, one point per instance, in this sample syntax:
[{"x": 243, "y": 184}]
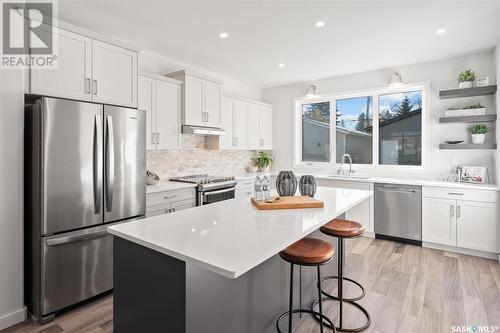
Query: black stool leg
[
  {"x": 290, "y": 308},
  {"x": 319, "y": 296},
  {"x": 340, "y": 279}
]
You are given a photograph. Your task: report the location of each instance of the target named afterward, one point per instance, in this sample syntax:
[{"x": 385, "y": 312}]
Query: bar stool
[
  {"x": 307, "y": 252},
  {"x": 343, "y": 229}
]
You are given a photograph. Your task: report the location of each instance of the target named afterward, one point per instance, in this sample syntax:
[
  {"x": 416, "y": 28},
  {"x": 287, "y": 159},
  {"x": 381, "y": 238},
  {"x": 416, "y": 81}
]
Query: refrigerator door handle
[
  {"x": 97, "y": 164},
  {"x": 76, "y": 238},
  {"x": 110, "y": 164}
]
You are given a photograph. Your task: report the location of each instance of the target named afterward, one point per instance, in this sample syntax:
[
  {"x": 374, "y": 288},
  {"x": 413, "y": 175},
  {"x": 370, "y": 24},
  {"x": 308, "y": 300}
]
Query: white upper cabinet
[
  {"x": 160, "y": 97},
  {"x": 193, "y": 101},
  {"x": 146, "y": 102},
  {"x": 240, "y": 124},
  {"x": 212, "y": 104},
  {"x": 226, "y": 123},
  {"x": 168, "y": 114},
  {"x": 88, "y": 70},
  {"x": 476, "y": 225},
  {"x": 266, "y": 128},
  {"x": 72, "y": 77},
  {"x": 253, "y": 126},
  {"x": 201, "y": 99},
  {"x": 114, "y": 74},
  {"x": 438, "y": 221}
]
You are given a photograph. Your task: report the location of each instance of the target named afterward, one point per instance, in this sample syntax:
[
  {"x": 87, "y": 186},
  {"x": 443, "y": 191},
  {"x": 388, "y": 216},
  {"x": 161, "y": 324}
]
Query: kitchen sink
[{"x": 347, "y": 177}]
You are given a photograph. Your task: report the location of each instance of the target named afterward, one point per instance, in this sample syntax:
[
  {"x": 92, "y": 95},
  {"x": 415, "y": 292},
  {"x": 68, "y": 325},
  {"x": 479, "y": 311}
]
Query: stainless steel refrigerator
[{"x": 84, "y": 170}]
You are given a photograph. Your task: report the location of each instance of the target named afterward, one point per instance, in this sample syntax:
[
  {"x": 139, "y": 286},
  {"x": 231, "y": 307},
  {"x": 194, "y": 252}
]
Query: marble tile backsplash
[{"x": 195, "y": 159}]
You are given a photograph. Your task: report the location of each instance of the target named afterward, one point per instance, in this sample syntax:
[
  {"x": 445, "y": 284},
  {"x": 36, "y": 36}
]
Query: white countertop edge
[
  {"x": 167, "y": 185},
  {"x": 216, "y": 269}
]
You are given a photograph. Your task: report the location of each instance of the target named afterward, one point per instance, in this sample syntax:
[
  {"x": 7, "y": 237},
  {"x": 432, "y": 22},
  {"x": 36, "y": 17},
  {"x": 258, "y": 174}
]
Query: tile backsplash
[{"x": 195, "y": 159}]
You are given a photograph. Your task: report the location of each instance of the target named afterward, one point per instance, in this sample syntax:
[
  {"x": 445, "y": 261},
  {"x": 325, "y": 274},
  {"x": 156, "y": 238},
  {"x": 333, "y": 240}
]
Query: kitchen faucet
[{"x": 340, "y": 170}]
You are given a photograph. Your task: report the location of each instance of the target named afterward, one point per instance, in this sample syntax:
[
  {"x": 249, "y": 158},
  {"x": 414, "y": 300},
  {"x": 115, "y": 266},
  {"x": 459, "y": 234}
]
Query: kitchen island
[{"x": 216, "y": 268}]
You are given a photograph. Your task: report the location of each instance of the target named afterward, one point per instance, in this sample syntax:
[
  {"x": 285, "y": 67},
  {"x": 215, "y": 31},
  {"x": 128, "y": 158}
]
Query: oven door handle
[{"x": 219, "y": 191}]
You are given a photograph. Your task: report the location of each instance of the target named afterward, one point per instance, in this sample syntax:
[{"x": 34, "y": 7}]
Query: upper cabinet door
[
  {"x": 71, "y": 78},
  {"x": 439, "y": 221},
  {"x": 476, "y": 225},
  {"x": 146, "y": 102},
  {"x": 193, "y": 101},
  {"x": 266, "y": 125},
  {"x": 168, "y": 114},
  {"x": 226, "y": 116},
  {"x": 114, "y": 74},
  {"x": 212, "y": 104},
  {"x": 240, "y": 124},
  {"x": 253, "y": 126}
]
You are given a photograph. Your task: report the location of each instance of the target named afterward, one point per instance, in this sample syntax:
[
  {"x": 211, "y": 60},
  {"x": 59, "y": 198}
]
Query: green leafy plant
[
  {"x": 474, "y": 106},
  {"x": 479, "y": 129},
  {"x": 467, "y": 76},
  {"x": 263, "y": 159}
]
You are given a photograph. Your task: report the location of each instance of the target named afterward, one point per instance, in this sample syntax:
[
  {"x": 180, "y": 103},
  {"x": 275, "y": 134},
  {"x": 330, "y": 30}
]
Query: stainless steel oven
[{"x": 206, "y": 197}]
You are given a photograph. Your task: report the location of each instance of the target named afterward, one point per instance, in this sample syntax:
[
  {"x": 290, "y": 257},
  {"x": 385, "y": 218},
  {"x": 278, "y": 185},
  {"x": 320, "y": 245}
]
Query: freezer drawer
[
  {"x": 75, "y": 266},
  {"x": 398, "y": 211}
]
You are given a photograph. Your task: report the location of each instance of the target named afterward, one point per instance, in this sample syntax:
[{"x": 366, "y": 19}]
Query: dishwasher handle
[{"x": 398, "y": 190}]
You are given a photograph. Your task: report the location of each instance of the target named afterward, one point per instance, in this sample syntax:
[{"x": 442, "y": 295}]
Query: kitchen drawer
[
  {"x": 355, "y": 185},
  {"x": 170, "y": 196},
  {"x": 158, "y": 209},
  {"x": 459, "y": 194},
  {"x": 184, "y": 204},
  {"x": 246, "y": 183}
]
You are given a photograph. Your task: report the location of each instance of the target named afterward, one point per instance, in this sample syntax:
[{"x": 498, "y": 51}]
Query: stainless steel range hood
[{"x": 200, "y": 130}]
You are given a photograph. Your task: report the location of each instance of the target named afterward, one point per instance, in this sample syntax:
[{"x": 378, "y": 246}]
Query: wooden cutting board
[{"x": 295, "y": 202}]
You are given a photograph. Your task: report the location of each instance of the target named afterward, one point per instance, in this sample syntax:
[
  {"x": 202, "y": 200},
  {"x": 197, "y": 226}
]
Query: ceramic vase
[
  {"x": 478, "y": 139},
  {"x": 307, "y": 185},
  {"x": 286, "y": 183}
]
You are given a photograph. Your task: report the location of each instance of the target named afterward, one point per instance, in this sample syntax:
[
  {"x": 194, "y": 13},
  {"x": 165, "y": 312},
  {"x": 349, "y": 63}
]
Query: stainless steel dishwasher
[{"x": 398, "y": 212}]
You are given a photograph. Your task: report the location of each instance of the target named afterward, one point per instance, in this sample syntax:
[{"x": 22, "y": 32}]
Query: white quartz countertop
[
  {"x": 231, "y": 237},
  {"x": 166, "y": 185},
  {"x": 406, "y": 181}
]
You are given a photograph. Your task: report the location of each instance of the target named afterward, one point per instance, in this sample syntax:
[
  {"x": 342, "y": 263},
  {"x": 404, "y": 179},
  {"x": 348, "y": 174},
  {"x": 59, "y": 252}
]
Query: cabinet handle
[
  {"x": 173, "y": 210},
  {"x": 87, "y": 86},
  {"x": 459, "y": 211},
  {"x": 169, "y": 196},
  {"x": 452, "y": 210},
  {"x": 157, "y": 138},
  {"x": 95, "y": 87},
  {"x": 455, "y": 193},
  {"x": 208, "y": 116},
  {"x": 153, "y": 138}
]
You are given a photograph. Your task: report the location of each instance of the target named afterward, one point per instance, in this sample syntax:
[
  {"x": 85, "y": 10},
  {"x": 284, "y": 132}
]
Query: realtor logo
[{"x": 27, "y": 34}]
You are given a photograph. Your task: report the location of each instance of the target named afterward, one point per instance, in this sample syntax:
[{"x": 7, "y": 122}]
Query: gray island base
[{"x": 154, "y": 292}]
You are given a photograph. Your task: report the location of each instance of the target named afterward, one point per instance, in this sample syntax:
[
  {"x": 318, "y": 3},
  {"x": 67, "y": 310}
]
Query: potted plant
[
  {"x": 465, "y": 78},
  {"x": 469, "y": 110},
  {"x": 263, "y": 160},
  {"x": 478, "y": 132}
]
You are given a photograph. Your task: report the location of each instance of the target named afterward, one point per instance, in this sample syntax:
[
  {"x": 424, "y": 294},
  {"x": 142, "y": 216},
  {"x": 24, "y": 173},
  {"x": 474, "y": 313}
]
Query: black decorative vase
[
  {"x": 286, "y": 183},
  {"x": 307, "y": 185}
]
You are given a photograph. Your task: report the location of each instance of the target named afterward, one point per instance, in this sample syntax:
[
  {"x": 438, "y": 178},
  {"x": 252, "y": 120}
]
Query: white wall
[
  {"x": 12, "y": 308},
  {"x": 440, "y": 74},
  {"x": 157, "y": 64}
]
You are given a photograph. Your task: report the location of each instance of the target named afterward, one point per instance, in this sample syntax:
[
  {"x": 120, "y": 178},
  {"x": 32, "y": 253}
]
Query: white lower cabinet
[
  {"x": 165, "y": 202},
  {"x": 438, "y": 221},
  {"x": 465, "y": 224},
  {"x": 244, "y": 189}
]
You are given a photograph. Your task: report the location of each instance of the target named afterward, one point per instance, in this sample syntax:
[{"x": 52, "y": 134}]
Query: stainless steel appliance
[
  {"x": 210, "y": 189},
  {"x": 398, "y": 212},
  {"x": 84, "y": 169}
]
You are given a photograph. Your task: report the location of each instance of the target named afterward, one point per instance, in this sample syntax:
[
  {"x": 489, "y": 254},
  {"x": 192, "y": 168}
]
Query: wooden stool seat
[
  {"x": 343, "y": 228},
  {"x": 308, "y": 251}
]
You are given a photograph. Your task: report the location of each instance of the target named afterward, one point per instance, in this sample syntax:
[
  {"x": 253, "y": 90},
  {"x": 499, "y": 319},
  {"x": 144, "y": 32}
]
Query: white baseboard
[
  {"x": 13, "y": 318},
  {"x": 470, "y": 252},
  {"x": 369, "y": 234}
]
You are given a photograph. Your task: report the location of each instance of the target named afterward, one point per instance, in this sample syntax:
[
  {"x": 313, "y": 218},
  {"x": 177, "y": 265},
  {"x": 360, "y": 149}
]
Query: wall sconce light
[
  {"x": 396, "y": 79},
  {"x": 311, "y": 91}
]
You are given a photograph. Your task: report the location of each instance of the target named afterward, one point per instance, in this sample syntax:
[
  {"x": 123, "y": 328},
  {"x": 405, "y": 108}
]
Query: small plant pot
[
  {"x": 465, "y": 84},
  {"x": 264, "y": 169},
  {"x": 478, "y": 139}
]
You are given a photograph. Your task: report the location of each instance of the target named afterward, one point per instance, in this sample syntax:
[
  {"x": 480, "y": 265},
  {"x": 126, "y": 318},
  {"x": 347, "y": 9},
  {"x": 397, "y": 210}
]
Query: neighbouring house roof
[
  {"x": 340, "y": 129},
  {"x": 398, "y": 118}
]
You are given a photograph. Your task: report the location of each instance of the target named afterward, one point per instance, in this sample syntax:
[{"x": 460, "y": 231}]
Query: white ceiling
[{"x": 358, "y": 36}]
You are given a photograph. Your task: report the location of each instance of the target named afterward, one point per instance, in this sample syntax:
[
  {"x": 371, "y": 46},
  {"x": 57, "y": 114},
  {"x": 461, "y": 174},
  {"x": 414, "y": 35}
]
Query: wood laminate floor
[{"x": 408, "y": 289}]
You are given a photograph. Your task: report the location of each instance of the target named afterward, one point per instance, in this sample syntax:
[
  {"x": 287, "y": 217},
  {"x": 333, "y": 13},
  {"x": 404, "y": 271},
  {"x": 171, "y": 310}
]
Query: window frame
[{"x": 375, "y": 93}]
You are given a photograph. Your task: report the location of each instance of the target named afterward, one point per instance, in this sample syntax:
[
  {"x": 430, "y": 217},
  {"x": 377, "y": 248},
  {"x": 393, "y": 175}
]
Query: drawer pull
[
  {"x": 459, "y": 213},
  {"x": 455, "y": 193},
  {"x": 169, "y": 196}
]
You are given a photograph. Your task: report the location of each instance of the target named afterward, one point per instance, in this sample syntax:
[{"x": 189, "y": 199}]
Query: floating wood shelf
[
  {"x": 468, "y": 92},
  {"x": 469, "y": 119},
  {"x": 468, "y": 146}
]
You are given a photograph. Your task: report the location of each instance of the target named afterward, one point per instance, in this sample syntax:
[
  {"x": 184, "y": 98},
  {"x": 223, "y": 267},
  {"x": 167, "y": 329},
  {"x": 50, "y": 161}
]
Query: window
[
  {"x": 375, "y": 128},
  {"x": 400, "y": 128},
  {"x": 316, "y": 132},
  {"x": 354, "y": 129}
]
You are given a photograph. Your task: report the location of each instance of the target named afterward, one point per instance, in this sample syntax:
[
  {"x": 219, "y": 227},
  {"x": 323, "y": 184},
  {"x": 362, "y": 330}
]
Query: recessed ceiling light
[
  {"x": 223, "y": 35},
  {"x": 319, "y": 24},
  {"x": 281, "y": 65},
  {"x": 440, "y": 31}
]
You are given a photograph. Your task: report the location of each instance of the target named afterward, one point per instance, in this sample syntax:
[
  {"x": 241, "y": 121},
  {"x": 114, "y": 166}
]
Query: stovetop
[{"x": 203, "y": 179}]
